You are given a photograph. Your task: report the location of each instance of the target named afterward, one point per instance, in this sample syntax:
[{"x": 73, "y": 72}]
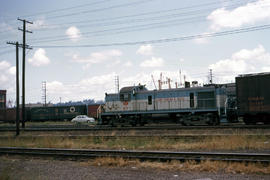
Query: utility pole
[
  {"x": 23, "y": 67},
  {"x": 17, "y": 88}
]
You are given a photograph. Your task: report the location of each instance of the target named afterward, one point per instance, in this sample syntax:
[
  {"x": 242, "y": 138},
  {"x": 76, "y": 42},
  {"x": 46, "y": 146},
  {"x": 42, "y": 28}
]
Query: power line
[
  {"x": 183, "y": 8},
  {"x": 68, "y": 8},
  {"x": 206, "y": 35},
  {"x": 61, "y": 9},
  {"x": 99, "y": 9},
  {"x": 126, "y": 29},
  {"x": 122, "y": 29},
  {"x": 136, "y": 15},
  {"x": 147, "y": 13},
  {"x": 132, "y": 21},
  {"x": 85, "y": 11}
]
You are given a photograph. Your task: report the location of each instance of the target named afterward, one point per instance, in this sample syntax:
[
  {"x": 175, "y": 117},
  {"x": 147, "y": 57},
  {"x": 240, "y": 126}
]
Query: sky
[{"x": 81, "y": 46}]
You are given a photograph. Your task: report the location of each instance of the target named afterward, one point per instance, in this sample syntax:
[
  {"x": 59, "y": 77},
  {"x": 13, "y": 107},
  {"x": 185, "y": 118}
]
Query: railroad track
[
  {"x": 141, "y": 155},
  {"x": 106, "y": 128},
  {"x": 162, "y": 136}
]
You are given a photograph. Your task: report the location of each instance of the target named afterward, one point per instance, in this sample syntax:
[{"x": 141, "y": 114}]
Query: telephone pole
[
  {"x": 23, "y": 67},
  {"x": 17, "y": 88}
]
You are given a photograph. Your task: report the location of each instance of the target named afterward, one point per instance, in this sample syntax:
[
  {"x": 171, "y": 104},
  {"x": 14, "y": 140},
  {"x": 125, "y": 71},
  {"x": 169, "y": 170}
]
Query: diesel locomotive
[{"x": 190, "y": 105}]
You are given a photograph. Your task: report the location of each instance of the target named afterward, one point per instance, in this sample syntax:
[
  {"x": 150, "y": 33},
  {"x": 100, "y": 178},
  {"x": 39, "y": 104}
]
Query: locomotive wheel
[
  {"x": 111, "y": 123},
  {"x": 248, "y": 120}
]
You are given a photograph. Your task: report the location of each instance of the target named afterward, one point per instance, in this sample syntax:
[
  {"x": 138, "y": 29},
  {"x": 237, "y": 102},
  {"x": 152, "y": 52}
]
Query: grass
[
  {"x": 5, "y": 173},
  {"x": 236, "y": 142},
  {"x": 209, "y": 166},
  {"x": 187, "y": 166}
]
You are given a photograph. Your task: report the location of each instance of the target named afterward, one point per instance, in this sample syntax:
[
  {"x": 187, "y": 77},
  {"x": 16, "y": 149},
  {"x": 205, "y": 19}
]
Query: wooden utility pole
[
  {"x": 17, "y": 88},
  {"x": 23, "y": 68}
]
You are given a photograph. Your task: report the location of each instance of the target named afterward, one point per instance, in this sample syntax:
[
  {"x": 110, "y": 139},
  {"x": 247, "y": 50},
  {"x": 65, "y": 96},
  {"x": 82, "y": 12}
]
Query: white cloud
[
  {"x": 39, "y": 58},
  {"x": 181, "y": 60},
  {"x": 12, "y": 70},
  {"x": 243, "y": 61},
  {"x": 4, "y": 65},
  {"x": 153, "y": 62},
  {"x": 89, "y": 88},
  {"x": 114, "y": 63},
  {"x": 248, "y": 14},
  {"x": 3, "y": 78},
  {"x": 7, "y": 77},
  {"x": 128, "y": 64},
  {"x": 201, "y": 40},
  {"x": 98, "y": 57},
  {"x": 145, "y": 50},
  {"x": 6, "y": 27},
  {"x": 7, "y": 70},
  {"x": 38, "y": 24},
  {"x": 73, "y": 33}
]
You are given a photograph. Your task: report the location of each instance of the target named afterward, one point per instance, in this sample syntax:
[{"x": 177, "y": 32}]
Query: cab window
[{"x": 149, "y": 100}]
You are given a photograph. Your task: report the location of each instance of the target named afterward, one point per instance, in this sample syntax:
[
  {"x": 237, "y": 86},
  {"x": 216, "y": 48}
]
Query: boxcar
[
  {"x": 253, "y": 97},
  {"x": 92, "y": 110},
  {"x": 55, "y": 113},
  {"x": 9, "y": 115}
]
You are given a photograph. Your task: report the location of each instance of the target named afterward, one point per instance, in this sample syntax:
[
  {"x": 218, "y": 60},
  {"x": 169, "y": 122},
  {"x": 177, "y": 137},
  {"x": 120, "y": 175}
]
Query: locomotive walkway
[{"x": 141, "y": 155}]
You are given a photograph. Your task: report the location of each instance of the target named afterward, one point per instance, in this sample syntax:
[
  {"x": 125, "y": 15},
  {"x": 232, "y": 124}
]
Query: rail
[
  {"x": 108, "y": 128},
  {"x": 141, "y": 155}
]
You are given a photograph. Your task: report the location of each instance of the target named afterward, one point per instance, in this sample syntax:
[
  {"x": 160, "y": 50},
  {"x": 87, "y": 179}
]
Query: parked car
[{"x": 83, "y": 118}]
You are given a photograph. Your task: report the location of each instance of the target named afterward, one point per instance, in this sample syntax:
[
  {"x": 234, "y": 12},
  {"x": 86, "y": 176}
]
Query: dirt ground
[{"x": 47, "y": 169}]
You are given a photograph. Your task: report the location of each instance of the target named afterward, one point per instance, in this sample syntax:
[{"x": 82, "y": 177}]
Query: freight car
[
  {"x": 253, "y": 97},
  {"x": 55, "y": 113},
  {"x": 9, "y": 115},
  {"x": 191, "y": 105},
  {"x": 52, "y": 113}
]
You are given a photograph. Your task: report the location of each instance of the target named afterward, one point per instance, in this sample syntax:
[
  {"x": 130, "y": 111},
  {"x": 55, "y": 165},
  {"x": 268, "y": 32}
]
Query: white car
[{"x": 83, "y": 118}]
